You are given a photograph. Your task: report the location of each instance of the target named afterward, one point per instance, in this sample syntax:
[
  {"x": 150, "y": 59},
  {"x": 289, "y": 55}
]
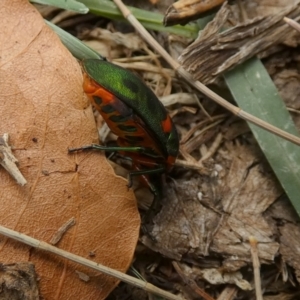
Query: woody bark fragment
[
  {"x": 183, "y": 11},
  {"x": 216, "y": 52}
]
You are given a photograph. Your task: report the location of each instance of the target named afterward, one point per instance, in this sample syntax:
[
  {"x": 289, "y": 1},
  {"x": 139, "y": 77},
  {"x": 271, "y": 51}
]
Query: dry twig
[
  {"x": 292, "y": 23},
  {"x": 228, "y": 293},
  {"x": 8, "y": 160},
  {"x": 191, "y": 283},
  {"x": 256, "y": 267},
  {"x": 61, "y": 231},
  {"x": 85, "y": 262}
]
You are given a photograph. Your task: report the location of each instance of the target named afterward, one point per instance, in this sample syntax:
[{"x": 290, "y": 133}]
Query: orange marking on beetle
[
  {"x": 89, "y": 86},
  {"x": 92, "y": 88},
  {"x": 106, "y": 96},
  {"x": 167, "y": 125}
]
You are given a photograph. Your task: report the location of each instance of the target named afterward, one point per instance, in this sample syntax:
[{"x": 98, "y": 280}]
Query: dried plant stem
[
  {"x": 292, "y": 23},
  {"x": 189, "y": 146},
  {"x": 192, "y": 165},
  {"x": 191, "y": 283},
  {"x": 296, "y": 111},
  {"x": 228, "y": 293},
  {"x": 85, "y": 262},
  {"x": 186, "y": 137},
  {"x": 215, "y": 145},
  {"x": 197, "y": 84},
  {"x": 62, "y": 230},
  {"x": 8, "y": 160},
  {"x": 256, "y": 267}
]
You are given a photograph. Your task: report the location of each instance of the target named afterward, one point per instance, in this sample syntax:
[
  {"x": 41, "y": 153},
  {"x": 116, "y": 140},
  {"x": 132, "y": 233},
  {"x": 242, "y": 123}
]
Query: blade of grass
[
  {"x": 67, "y": 4},
  {"x": 255, "y": 92},
  {"x": 149, "y": 19},
  {"x": 75, "y": 46}
]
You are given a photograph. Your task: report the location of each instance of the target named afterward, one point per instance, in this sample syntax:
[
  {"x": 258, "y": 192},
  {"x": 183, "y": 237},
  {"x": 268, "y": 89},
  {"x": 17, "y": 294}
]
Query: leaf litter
[
  {"x": 45, "y": 112},
  {"x": 208, "y": 215}
]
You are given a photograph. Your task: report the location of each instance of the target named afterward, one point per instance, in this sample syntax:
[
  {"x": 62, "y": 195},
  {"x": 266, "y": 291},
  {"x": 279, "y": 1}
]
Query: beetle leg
[
  {"x": 147, "y": 172},
  {"x": 143, "y": 173},
  {"x": 105, "y": 148}
]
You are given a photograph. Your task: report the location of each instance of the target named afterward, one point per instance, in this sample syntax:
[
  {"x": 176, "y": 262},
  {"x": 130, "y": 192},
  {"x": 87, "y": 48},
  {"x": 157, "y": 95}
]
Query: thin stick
[
  {"x": 228, "y": 293},
  {"x": 256, "y": 267},
  {"x": 191, "y": 283},
  {"x": 189, "y": 145},
  {"x": 85, "y": 262},
  {"x": 192, "y": 166},
  {"x": 186, "y": 137},
  {"x": 197, "y": 84},
  {"x": 213, "y": 148},
  {"x": 8, "y": 160},
  {"x": 292, "y": 23},
  {"x": 62, "y": 230}
]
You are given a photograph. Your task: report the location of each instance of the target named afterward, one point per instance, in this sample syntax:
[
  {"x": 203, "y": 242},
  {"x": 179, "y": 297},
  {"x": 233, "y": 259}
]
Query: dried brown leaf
[
  {"x": 44, "y": 109},
  {"x": 217, "y": 276},
  {"x": 247, "y": 191},
  {"x": 190, "y": 232},
  {"x": 218, "y": 213}
]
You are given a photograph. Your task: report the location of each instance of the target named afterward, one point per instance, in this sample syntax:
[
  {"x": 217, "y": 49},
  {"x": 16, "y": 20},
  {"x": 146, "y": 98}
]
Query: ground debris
[
  {"x": 290, "y": 246},
  {"x": 217, "y": 215},
  {"x": 283, "y": 67},
  {"x": 216, "y": 52},
  {"x": 183, "y": 11},
  {"x": 18, "y": 282}
]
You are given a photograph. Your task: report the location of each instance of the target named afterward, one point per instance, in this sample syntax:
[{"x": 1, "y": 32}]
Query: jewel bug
[{"x": 146, "y": 133}]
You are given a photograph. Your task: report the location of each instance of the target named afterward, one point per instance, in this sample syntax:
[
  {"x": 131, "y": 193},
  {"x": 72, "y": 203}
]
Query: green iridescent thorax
[{"x": 133, "y": 92}]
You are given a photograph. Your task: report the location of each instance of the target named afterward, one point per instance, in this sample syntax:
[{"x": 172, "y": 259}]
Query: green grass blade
[
  {"x": 255, "y": 93},
  {"x": 148, "y": 19},
  {"x": 75, "y": 46},
  {"x": 66, "y": 4}
]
